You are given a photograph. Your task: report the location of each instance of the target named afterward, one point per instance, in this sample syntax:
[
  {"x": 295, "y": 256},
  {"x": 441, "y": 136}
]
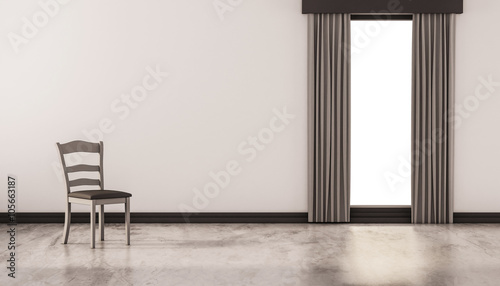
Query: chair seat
[{"x": 99, "y": 194}]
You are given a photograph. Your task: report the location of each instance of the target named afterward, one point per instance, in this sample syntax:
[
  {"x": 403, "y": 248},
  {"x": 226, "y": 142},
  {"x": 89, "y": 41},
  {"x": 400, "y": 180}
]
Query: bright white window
[{"x": 381, "y": 112}]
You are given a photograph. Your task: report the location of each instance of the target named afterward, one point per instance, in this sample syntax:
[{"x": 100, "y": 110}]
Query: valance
[{"x": 382, "y": 6}]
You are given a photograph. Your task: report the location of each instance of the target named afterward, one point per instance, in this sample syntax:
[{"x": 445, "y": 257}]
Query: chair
[{"x": 99, "y": 197}]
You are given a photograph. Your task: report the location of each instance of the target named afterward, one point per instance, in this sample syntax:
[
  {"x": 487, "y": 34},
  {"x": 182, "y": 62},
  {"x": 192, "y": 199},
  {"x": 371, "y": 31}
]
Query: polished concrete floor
[{"x": 258, "y": 254}]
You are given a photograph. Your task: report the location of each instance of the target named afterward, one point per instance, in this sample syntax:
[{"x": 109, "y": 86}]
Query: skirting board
[
  {"x": 79, "y": 217},
  {"x": 358, "y": 215},
  {"x": 381, "y": 215},
  {"x": 476, "y": 217}
]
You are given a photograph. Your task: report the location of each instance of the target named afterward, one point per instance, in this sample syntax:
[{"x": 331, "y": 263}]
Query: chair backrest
[{"x": 83, "y": 147}]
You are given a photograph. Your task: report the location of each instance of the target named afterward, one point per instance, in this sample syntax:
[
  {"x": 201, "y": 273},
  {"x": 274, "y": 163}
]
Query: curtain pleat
[
  {"x": 329, "y": 117},
  {"x": 432, "y": 104}
]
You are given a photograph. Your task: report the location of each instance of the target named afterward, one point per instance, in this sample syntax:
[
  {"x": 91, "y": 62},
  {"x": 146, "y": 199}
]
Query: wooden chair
[{"x": 92, "y": 198}]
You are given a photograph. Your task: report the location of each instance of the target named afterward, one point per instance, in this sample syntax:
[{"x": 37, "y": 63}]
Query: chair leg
[
  {"x": 67, "y": 222},
  {"x": 101, "y": 222},
  {"x": 127, "y": 219},
  {"x": 92, "y": 224}
]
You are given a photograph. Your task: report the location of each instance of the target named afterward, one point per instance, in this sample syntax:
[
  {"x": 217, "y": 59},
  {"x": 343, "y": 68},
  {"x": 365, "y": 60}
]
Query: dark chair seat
[{"x": 99, "y": 195}]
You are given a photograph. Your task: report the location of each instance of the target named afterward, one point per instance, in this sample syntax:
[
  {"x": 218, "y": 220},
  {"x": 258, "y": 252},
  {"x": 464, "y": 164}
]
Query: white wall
[
  {"x": 477, "y": 177},
  {"x": 225, "y": 78}
]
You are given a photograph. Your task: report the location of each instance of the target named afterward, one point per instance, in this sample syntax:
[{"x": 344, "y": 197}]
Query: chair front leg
[
  {"x": 67, "y": 222},
  {"x": 92, "y": 224},
  {"x": 101, "y": 222},
  {"x": 127, "y": 219}
]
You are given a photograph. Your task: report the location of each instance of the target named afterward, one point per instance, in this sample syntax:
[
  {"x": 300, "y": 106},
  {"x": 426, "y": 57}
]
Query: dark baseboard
[
  {"x": 78, "y": 217},
  {"x": 358, "y": 215},
  {"x": 380, "y": 215},
  {"x": 476, "y": 217}
]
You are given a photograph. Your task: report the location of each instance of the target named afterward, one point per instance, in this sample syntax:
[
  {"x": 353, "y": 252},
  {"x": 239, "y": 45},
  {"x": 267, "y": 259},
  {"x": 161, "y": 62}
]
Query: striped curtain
[
  {"x": 433, "y": 95},
  {"x": 329, "y": 125}
]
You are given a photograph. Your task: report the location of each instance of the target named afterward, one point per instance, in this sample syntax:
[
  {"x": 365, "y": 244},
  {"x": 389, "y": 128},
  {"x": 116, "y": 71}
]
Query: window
[{"x": 381, "y": 112}]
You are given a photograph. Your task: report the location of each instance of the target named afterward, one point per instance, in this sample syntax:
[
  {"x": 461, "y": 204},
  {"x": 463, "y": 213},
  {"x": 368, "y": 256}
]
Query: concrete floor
[{"x": 258, "y": 254}]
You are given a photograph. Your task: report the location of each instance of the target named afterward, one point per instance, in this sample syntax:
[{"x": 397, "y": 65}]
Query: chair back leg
[
  {"x": 92, "y": 224},
  {"x": 101, "y": 222},
  {"x": 67, "y": 222},
  {"x": 127, "y": 219}
]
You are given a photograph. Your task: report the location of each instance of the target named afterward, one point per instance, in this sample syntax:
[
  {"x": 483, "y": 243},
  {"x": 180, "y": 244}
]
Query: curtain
[
  {"x": 432, "y": 104},
  {"x": 329, "y": 117}
]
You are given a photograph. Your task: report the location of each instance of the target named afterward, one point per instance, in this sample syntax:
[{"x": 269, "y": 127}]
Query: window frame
[{"x": 381, "y": 17}]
